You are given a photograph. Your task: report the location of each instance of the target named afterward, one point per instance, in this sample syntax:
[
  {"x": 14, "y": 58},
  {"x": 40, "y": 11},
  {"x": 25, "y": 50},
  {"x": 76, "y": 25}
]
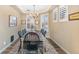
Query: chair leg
[{"x": 19, "y": 49}]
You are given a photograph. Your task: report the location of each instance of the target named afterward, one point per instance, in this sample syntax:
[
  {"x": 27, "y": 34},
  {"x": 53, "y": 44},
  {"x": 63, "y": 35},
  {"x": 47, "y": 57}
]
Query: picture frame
[
  {"x": 74, "y": 16},
  {"x": 55, "y": 15},
  {"x": 63, "y": 13},
  {"x": 12, "y": 21}
]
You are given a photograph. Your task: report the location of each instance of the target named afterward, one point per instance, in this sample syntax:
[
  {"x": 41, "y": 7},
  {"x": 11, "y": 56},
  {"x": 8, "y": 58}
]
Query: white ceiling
[{"x": 38, "y": 8}]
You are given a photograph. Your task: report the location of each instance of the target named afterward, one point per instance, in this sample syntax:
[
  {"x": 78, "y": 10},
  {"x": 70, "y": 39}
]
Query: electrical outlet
[{"x": 4, "y": 43}]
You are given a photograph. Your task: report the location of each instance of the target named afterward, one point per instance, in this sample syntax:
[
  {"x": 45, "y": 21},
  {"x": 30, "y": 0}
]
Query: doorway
[{"x": 44, "y": 23}]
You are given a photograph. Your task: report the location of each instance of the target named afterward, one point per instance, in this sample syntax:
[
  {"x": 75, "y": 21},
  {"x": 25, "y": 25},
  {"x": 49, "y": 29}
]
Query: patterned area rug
[
  {"x": 13, "y": 49},
  {"x": 48, "y": 48}
]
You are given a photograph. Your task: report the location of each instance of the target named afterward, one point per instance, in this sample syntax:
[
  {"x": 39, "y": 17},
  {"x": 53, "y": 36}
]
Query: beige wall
[
  {"x": 5, "y": 30},
  {"x": 23, "y": 18},
  {"x": 66, "y": 34}
]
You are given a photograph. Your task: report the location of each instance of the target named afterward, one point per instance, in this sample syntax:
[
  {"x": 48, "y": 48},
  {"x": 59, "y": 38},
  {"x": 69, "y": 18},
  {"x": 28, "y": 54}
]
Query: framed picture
[
  {"x": 63, "y": 13},
  {"x": 74, "y": 16},
  {"x": 55, "y": 15},
  {"x": 12, "y": 21}
]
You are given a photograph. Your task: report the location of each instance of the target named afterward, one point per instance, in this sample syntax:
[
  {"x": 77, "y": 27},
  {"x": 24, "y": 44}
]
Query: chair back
[
  {"x": 20, "y": 34},
  {"x": 31, "y": 41},
  {"x": 31, "y": 36}
]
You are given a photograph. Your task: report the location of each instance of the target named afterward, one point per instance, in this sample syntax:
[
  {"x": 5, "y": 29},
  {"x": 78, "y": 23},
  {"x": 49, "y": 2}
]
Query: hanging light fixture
[{"x": 35, "y": 14}]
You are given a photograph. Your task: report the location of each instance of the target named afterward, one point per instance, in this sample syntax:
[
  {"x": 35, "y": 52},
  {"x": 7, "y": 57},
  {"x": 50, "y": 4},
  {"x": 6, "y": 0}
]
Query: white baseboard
[
  {"x": 61, "y": 47},
  {"x": 6, "y": 46}
]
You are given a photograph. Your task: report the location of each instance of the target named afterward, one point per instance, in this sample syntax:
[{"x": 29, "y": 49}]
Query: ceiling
[{"x": 38, "y": 8}]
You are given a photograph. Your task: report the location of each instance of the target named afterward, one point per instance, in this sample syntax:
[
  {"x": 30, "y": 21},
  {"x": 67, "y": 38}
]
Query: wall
[
  {"x": 66, "y": 34},
  {"x": 23, "y": 21},
  {"x": 5, "y": 30}
]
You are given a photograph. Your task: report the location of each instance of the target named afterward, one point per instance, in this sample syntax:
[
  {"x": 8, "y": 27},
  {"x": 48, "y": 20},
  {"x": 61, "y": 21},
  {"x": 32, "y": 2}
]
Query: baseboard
[
  {"x": 6, "y": 46},
  {"x": 61, "y": 47}
]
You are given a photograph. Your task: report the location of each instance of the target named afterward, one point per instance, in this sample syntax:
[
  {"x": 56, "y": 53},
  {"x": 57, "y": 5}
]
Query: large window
[{"x": 30, "y": 23}]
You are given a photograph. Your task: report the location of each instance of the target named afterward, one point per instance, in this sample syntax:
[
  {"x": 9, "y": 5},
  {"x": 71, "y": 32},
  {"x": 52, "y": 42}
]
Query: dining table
[
  {"x": 47, "y": 48},
  {"x": 31, "y": 39}
]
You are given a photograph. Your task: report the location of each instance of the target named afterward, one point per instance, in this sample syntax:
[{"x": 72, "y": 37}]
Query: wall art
[
  {"x": 12, "y": 21},
  {"x": 63, "y": 13},
  {"x": 55, "y": 15}
]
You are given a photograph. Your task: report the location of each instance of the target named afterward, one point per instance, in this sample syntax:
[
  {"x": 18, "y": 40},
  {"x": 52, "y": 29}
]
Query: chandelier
[{"x": 35, "y": 14}]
